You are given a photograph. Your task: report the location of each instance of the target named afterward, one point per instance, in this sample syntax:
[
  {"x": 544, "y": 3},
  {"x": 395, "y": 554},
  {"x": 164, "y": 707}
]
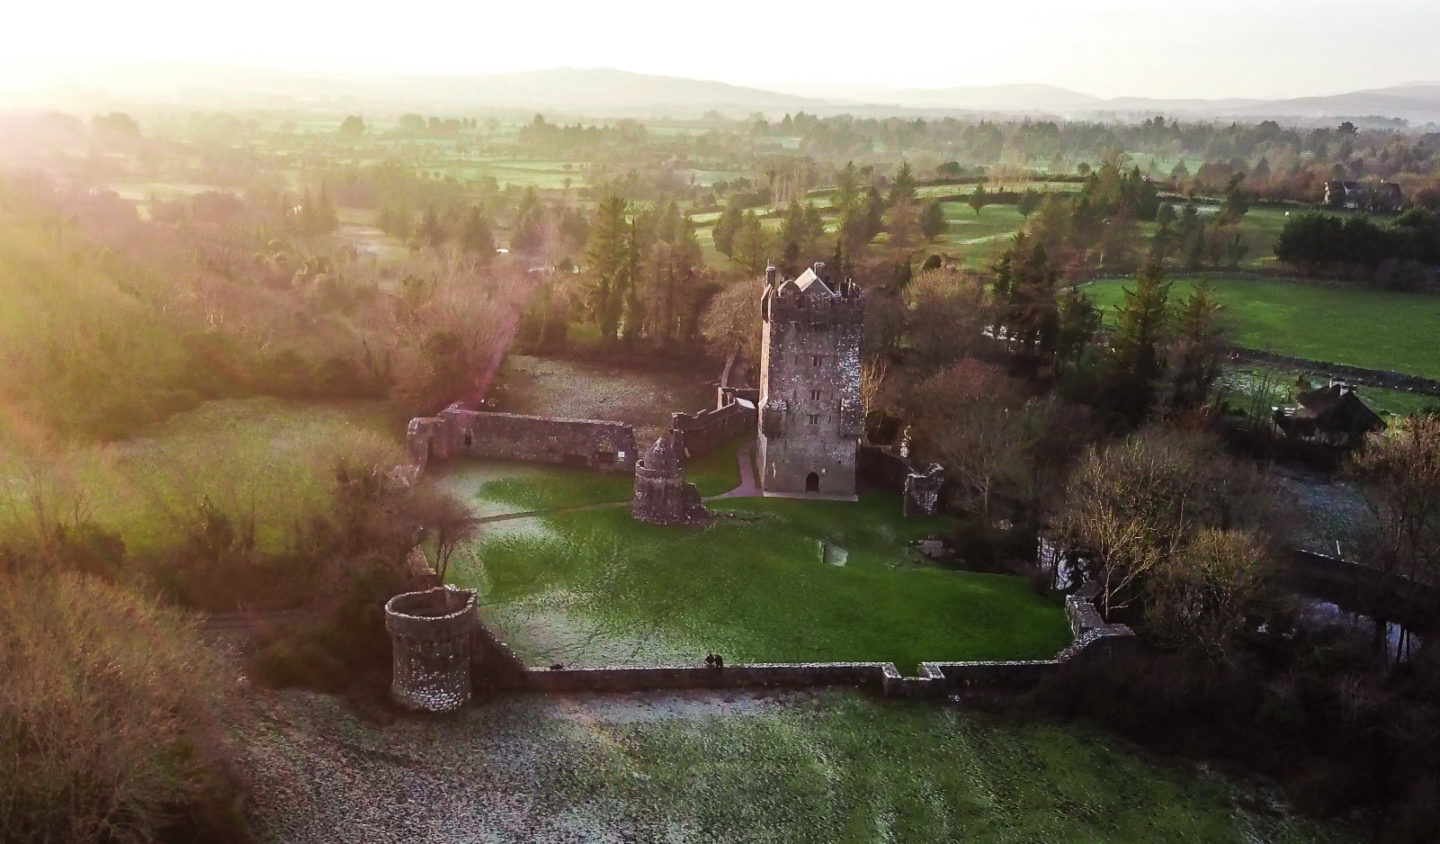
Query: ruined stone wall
[
  {"x": 666, "y": 499},
  {"x": 596, "y": 444},
  {"x": 882, "y": 467},
  {"x": 920, "y": 491},
  {"x": 703, "y": 432},
  {"x": 735, "y": 382},
  {"x": 811, "y": 416}
]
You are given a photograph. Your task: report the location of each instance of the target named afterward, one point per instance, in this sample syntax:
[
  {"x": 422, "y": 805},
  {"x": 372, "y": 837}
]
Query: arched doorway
[{"x": 812, "y": 482}]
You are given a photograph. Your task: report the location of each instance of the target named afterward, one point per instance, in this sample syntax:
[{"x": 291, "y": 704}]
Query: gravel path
[{"x": 749, "y": 487}]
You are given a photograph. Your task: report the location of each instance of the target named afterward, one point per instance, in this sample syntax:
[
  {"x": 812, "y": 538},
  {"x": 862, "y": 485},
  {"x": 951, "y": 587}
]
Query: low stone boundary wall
[
  {"x": 1356, "y": 587},
  {"x": 707, "y": 430},
  {"x": 1353, "y": 374},
  {"x": 496, "y": 667},
  {"x": 867, "y": 675}
]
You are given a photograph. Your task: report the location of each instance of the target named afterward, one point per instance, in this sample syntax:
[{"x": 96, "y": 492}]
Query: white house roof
[{"x": 808, "y": 278}]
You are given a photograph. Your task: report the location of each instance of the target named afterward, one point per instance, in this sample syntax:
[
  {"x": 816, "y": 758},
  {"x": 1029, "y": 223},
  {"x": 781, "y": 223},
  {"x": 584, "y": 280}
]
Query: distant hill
[
  {"x": 607, "y": 92},
  {"x": 1020, "y": 96},
  {"x": 579, "y": 89},
  {"x": 588, "y": 91}
]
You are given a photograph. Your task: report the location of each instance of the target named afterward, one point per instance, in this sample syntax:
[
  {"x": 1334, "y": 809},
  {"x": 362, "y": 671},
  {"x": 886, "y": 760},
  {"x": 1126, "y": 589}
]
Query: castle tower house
[{"x": 811, "y": 415}]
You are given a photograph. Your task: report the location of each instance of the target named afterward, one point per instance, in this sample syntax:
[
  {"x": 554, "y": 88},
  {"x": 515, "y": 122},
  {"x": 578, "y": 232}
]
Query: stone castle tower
[{"x": 811, "y": 416}]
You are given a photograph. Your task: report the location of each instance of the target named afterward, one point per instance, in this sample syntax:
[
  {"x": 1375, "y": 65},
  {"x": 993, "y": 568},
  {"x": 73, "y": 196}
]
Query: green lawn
[
  {"x": 718, "y": 471},
  {"x": 842, "y": 768},
  {"x": 497, "y": 487},
  {"x": 1334, "y": 323},
  {"x": 760, "y": 583},
  {"x": 1262, "y": 227},
  {"x": 978, "y": 238}
]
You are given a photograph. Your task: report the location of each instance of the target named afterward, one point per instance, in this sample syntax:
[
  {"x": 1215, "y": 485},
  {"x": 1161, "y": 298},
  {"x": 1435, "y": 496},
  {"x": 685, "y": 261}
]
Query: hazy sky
[{"x": 1170, "y": 48}]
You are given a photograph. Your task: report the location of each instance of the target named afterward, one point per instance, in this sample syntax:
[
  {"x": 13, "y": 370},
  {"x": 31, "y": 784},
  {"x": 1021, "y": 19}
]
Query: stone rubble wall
[
  {"x": 703, "y": 432},
  {"x": 1343, "y": 372},
  {"x": 456, "y": 432},
  {"x": 920, "y": 491},
  {"x": 882, "y": 467},
  {"x": 735, "y": 382}
]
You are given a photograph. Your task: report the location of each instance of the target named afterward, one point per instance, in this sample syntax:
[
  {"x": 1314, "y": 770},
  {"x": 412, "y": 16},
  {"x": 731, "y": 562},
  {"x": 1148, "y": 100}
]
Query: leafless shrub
[{"x": 105, "y": 712}]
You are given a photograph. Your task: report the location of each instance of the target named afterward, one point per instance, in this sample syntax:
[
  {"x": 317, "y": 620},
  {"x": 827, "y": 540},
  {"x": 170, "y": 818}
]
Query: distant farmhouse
[
  {"x": 811, "y": 415},
  {"x": 1364, "y": 196}
]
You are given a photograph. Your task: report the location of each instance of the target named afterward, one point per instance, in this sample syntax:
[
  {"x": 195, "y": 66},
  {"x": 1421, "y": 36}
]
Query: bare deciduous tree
[
  {"x": 948, "y": 312},
  {"x": 1399, "y": 474},
  {"x": 1201, "y": 596},
  {"x": 1135, "y": 505},
  {"x": 968, "y": 416}
]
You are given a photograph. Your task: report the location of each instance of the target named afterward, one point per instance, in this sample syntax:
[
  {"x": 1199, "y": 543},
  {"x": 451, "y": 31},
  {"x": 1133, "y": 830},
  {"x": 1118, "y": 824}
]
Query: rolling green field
[
  {"x": 768, "y": 580},
  {"x": 978, "y": 238},
  {"x": 1262, "y": 227},
  {"x": 548, "y": 175},
  {"x": 270, "y": 457},
  {"x": 1339, "y": 324}
]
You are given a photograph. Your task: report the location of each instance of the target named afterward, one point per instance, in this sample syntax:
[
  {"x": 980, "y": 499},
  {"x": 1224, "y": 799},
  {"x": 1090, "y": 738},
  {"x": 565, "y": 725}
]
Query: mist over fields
[{"x": 608, "y": 92}]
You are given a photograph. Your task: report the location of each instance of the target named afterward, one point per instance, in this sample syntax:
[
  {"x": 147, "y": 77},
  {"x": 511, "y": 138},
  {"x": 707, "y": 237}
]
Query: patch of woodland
[{"x": 133, "y": 320}]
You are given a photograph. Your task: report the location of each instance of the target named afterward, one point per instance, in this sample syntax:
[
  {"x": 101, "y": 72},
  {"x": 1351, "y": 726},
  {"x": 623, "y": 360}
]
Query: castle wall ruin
[
  {"x": 703, "y": 432},
  {"x": 456, "y": 432}
]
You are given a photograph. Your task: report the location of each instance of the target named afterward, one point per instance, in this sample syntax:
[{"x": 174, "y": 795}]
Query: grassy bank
[
  {"x": 840, "y": 768},
  {"x": 1340, "y": 324},
  {"x": 264, "y": 458}
]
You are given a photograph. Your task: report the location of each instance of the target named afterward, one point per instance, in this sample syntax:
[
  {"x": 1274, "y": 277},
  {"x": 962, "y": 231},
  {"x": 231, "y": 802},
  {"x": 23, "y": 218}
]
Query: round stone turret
[
  {"x": 662, "y": 496},
  {"x": 430, "y": 634}
]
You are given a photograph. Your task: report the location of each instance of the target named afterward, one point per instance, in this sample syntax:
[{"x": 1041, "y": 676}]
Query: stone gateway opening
[{"x": 812, "y": 482}]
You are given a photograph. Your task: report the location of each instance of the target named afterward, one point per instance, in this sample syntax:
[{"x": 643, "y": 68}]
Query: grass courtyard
[
  {"x": 770, "y": 580},
  {"x": 1341, "y": 324}
]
